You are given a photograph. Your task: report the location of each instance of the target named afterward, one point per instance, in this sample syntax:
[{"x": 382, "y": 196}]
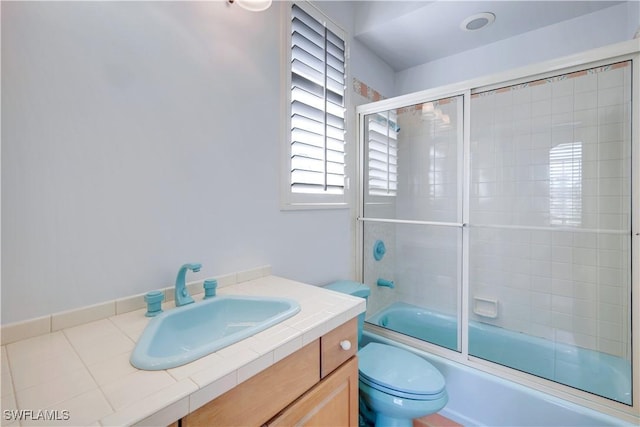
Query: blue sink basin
[{"x": 187, "y": 333}]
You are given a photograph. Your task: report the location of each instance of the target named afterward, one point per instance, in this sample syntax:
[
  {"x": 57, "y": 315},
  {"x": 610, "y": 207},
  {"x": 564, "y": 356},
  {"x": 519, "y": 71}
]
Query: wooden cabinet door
[
  {"x": 331, "y": 403},
  {"x": 255, "y": 401}
]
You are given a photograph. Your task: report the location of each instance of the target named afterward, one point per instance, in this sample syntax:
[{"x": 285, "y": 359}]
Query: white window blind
[
  {"x": 565, "y": 184},
  {"x": 382, "y": 145},
  {"x": 317, "y": 106}
]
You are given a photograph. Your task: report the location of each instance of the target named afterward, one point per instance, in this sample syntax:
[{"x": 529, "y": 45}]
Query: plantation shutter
[
  {"x": 317, "y": 106},
  {"x": 382, "y": 145}
]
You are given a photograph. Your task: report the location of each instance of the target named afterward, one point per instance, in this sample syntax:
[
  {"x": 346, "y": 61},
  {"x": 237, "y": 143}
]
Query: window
[
  {"x": 316, "y": 143},
  {"x": 382, "y": 146},
  {"x": 565, "y": 184}
]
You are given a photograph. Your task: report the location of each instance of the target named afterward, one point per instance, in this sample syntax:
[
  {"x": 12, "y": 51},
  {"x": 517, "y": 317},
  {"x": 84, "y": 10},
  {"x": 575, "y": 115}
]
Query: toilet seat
[
  {"x": 400, "y": 373},
  {"x": 397, "y": 393}
]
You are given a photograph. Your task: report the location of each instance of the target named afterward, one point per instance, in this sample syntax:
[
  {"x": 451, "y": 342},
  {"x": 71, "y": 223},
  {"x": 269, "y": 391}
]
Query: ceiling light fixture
[
  {"x": 252, "y": 5},
  {"x": 478, "y": 21}
]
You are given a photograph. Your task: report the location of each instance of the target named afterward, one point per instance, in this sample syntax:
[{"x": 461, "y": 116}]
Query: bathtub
[{"x": 473, "y": 393}]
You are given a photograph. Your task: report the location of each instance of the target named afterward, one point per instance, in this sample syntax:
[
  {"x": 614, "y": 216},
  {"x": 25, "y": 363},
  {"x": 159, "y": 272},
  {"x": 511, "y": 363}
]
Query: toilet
[{"x": 395, "y": 385}]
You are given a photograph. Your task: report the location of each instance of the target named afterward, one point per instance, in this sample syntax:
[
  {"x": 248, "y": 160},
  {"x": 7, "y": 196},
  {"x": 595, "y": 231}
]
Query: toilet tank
[{"x": 356, "y": 289}]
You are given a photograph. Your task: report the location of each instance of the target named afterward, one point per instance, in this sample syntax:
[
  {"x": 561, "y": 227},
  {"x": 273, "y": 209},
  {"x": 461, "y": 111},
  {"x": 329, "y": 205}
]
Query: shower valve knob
[{"x": 345, "y": 345}]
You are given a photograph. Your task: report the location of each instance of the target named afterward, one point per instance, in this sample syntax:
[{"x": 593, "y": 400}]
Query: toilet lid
[{"x": 398, "y": 369}]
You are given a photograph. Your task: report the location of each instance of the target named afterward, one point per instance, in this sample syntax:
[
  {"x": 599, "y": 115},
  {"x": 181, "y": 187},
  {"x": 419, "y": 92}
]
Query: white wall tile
[
  {"x": 611, "y": 79},
  {"x": 587, "y": 309},
  {"x": 586, "y": 83},
  {"x": 610, "y": 346},
  {"x": 540, "y": 92},
  {"x": 613, "y": 114},
  {"x": 588, "y": 291},
  {"x": 561, "y": 105},
  {"x": 552, "y": 284},
  {"x": 585, "y": 101},
  {"x": 17, "y": 331},
  {"x": 560, "y": 88}
]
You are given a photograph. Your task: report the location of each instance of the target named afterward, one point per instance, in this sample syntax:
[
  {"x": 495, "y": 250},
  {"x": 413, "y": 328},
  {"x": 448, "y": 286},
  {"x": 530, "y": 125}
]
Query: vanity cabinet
[
  {"x": 316, "y": 385},
  {"x": 332, "y": 402}
]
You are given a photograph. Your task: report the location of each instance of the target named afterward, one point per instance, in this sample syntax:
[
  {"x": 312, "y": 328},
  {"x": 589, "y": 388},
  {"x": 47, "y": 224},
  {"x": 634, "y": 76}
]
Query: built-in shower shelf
[{"x": 485, "y": 307}]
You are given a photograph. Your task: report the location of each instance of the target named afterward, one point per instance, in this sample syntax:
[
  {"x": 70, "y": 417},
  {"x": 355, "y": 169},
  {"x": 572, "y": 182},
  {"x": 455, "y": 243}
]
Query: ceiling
[{"x": 409, "y": 33}]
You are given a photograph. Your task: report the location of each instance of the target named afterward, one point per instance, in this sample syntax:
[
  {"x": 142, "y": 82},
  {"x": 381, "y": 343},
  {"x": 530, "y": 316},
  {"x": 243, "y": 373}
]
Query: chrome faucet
[{"x": 182, "y": 296}]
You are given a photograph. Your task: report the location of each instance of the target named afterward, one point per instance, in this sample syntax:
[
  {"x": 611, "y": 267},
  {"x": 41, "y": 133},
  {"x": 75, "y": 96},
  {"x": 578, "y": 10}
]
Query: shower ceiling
[{"x": 409, "y": 33}]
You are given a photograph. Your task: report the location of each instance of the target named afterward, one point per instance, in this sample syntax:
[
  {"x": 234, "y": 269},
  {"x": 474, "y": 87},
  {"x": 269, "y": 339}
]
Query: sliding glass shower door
[
  {"x": 412, "y": 210},
  {"x": 550, "y": 227},
  {"x": 514, "y": 202}
]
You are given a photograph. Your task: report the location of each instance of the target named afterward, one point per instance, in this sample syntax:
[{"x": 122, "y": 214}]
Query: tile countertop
[{"x": 82, "y": 375}]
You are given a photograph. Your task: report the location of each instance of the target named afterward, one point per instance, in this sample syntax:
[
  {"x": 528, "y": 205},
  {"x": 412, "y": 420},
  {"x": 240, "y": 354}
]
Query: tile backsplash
[{"x": 57, "y": 321}]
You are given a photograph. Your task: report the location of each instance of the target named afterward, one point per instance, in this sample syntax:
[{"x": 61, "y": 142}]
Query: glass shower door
[
  {"x": 412, "y": 225},
  {"x": 550, "y": 228}
]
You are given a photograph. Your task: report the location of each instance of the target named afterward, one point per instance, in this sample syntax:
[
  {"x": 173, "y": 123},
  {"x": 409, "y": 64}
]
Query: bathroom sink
[{"x": 187, "y": 333}]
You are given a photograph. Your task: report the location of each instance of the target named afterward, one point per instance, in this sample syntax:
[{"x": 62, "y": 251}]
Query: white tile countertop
[{"x": 81, "y": 375}]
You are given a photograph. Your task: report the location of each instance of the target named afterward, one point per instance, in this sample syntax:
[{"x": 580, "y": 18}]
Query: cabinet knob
[{"x": 345, "y": 345}]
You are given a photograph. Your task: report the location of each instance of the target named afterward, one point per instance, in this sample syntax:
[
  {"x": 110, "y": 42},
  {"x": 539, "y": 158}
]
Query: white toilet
[{"x": 396, "y": 385}]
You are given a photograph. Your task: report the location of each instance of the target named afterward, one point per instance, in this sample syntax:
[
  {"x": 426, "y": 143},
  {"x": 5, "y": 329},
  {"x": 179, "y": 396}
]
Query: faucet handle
[{"x": 210, "y": 286}]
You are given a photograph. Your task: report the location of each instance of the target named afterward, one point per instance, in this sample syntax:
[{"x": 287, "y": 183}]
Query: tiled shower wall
[
  {"x": 381, "y": 208},
  {"x": 423, "y": 261},
  {"x": 550, "y": 207},
  {"x": 428, "y": 190}
]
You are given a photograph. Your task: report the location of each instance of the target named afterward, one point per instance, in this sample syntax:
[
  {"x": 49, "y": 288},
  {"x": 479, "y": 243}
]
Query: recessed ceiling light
[{"x": 477, "y": 21}]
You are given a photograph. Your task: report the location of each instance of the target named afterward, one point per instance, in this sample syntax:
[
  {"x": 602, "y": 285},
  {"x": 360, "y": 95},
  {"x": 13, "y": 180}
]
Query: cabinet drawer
[{"x": 332, "y": 353}]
